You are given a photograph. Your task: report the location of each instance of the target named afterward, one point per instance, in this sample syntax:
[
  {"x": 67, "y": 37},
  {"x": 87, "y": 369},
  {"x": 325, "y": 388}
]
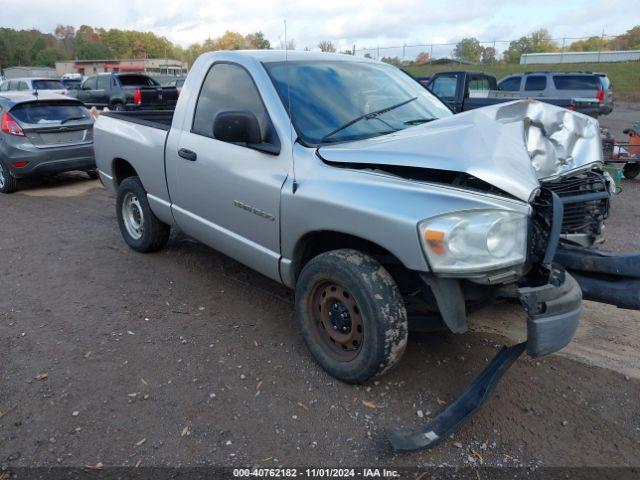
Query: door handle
[{"x": 188, "y": 154}]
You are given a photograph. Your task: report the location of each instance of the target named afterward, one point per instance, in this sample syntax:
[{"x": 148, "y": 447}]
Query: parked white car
[{"x": 51, "y": 85}]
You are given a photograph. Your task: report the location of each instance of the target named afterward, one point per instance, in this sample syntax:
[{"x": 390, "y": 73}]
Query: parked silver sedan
[{"x": 42, "y": 134}]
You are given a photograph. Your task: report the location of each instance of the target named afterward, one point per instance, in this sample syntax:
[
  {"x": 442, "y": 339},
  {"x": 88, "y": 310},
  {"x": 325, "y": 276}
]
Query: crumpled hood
[{"x": 511, "y": 146}]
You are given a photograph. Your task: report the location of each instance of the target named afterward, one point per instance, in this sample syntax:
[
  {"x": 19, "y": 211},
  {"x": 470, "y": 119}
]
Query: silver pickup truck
[{"x": 346, "y": 180}]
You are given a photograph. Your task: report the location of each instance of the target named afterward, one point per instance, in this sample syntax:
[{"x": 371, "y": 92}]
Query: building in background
[
  {"x": 581, "y": 57},
  {"x": 155, "y": 67},
  {"x": 21, "y": 72}
]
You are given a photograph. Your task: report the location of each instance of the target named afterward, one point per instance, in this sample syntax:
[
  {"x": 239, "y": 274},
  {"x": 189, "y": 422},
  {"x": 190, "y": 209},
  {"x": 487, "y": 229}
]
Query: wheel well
[
  {"x": 122, "y": 169},
  {"x": 315, "y": 243}
]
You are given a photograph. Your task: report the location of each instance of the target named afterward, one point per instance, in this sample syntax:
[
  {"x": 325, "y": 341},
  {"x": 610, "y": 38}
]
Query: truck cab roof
[{"x": 268, "y": 56}]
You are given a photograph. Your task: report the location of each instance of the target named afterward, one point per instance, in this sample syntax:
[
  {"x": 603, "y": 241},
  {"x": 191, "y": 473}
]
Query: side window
[
  {"x": 103, "y": 82},
  {"x": 535, "y": 83},
  {"x": 511, "y": 84},
  {"x": 576, "y": 82},
  {"x": 4, "y": 87},
  {"x": 478, "y": 82},
  {"x": 90, "y": 84},
  {"x": 23, "y": 86},
  {"x": 229, "y": 87},
  {"x": 444, "y": 86}
]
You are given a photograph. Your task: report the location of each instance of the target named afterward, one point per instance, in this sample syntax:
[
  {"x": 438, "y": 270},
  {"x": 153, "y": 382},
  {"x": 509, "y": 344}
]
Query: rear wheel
[
  {"x": 8, "y": 182},
  {"x": 139, "y": 226},
  {"x": 351, "y": 315},
  {"x": 117, "y": 107}
]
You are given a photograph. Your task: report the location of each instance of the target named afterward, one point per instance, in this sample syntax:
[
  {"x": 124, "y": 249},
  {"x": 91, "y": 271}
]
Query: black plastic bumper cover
[
  {"x": 590, "y": 260},
  {"x": 553, "y": 313},
  {"x": 621, "y": 292},
  {"x": 607, "y": 277},
  {"x": 464, "y": 408}
]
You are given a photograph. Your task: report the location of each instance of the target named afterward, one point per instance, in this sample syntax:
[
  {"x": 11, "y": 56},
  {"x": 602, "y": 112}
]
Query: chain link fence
[{"x": 491, "y": 51}]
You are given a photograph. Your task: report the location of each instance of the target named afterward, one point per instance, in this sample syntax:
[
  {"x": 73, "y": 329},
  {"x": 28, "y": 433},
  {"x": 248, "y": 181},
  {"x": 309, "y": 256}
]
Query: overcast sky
[{"x": 365, "y": 23}]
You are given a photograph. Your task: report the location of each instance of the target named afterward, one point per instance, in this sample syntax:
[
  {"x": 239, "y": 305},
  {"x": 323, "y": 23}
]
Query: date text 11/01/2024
[{"x": 316, "y": 472}]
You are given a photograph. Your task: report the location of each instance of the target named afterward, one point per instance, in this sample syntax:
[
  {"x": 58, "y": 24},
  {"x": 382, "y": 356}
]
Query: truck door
[
  {"x": 85, "y": 94},
  {"x": 446, "y": 87},
  {"x": 224, "y": 194},
  {"x": 102, "y": 93}
]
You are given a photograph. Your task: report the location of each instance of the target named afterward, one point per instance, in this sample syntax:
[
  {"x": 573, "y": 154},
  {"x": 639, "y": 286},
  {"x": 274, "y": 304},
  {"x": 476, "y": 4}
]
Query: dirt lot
[{"x": 188, "y": 358}]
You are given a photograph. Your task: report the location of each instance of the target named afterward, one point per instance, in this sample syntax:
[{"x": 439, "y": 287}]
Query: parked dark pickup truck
[
  {"x": 126, "y": 92},
  {"x": 465, "y": 90}
]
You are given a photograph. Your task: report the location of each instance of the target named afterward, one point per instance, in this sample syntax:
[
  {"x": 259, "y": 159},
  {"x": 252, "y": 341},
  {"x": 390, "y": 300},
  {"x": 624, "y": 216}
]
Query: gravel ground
[{"x": 188, "y": 358}]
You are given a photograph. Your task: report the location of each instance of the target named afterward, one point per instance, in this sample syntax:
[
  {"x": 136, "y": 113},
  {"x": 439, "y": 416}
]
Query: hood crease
[{"x": 512, "y": 146}]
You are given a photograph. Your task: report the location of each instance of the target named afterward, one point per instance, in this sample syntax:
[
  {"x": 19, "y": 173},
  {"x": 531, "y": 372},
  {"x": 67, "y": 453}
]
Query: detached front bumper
[
  {"x": 551, "y": 297},
  {"x": 553, "y": 312}
]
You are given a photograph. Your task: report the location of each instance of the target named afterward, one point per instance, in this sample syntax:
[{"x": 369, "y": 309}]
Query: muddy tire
[
  {"x": 351, "y": 315},
  {"x": 8, "y": 182},
  {"x": 139, "y": 226}
]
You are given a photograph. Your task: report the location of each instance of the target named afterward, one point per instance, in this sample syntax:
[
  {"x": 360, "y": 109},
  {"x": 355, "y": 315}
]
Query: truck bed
[
  {"x": 139, "y": 138},
  {"x": 151, "y": 118}
]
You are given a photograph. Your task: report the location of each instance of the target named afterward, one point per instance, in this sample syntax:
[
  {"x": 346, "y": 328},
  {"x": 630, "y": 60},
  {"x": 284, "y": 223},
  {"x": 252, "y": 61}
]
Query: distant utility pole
[{"x": 601, "y": 45}]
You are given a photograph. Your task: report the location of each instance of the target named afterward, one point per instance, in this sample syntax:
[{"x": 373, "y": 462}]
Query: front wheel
[
  {"x": 351, "y": 315},
  {"x": 8, "y": 182},
  {"x": 139, "y": 226}
]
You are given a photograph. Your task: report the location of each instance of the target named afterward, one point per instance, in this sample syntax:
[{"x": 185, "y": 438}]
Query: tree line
[{"x": 32, "y": 47}]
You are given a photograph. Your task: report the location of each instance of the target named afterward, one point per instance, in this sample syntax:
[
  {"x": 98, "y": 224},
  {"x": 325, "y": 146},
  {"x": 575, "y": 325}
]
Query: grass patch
[{"x": 625, "y": 76}]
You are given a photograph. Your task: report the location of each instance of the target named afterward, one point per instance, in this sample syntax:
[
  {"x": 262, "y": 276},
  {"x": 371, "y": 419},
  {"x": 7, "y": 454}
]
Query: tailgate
[{"x": 159, "y": 96}]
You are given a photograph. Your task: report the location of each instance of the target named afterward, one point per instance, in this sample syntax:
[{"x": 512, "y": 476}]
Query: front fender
[{"x": 373, "y": 206}]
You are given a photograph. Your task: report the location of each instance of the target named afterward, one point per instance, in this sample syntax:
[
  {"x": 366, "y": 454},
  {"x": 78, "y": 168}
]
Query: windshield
[
  {"x": 47, "y": 85},
  {"x": 326, "y": 95}
]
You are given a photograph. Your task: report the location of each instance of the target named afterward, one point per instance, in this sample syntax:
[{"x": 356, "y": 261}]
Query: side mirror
[
  {"x": 237, "y": 127},
  {"x": 243, "y": 127}
]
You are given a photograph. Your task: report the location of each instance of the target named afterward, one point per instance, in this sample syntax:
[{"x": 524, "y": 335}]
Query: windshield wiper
[
  {"x": 70, "y": 119},
  {"x": 367, "y": 116},
  {"x": 418, "y": 121}
]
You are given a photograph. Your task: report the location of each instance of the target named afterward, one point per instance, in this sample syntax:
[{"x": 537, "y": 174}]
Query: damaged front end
[
  {"x": 550, "y": 158},
  {"x": 547, "y": 157},
  {"x": 566, "y": 154}
]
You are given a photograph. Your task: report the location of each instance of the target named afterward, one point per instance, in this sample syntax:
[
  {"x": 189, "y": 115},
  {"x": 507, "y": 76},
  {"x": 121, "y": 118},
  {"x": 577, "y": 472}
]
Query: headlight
[{"x": 474, "y": 241}]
